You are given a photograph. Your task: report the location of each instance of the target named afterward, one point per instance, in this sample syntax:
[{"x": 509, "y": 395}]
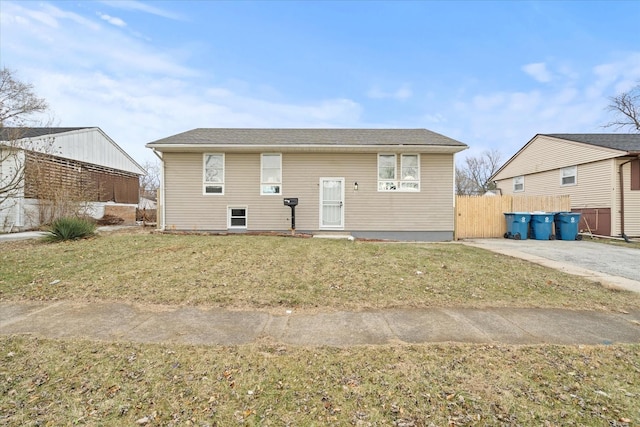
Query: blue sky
[{"x": 490, "y": 74}]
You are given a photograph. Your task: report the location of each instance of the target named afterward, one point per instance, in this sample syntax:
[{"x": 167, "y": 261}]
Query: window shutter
[{"x": 635, "y": 174}]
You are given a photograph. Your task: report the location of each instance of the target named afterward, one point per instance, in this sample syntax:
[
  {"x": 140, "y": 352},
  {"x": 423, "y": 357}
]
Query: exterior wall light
[{"x": 355, "y": 186}]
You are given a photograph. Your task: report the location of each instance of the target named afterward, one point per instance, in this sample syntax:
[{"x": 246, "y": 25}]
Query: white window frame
[
  {"x": 403, "y": 182},
  {"x": 397, "y": 183},
  {"x": 388, "y": 184},
  {"x": 263, "y": 183},
  {"x": 518, "y": 180},
  {"x": 569, "y": 172},
  {"x": 206, "y": 183},
  {"x": 230, "y": 210}
]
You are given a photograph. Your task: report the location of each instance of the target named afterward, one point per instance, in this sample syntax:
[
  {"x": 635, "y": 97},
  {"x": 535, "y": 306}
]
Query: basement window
[{"x": 237, "y": 217}]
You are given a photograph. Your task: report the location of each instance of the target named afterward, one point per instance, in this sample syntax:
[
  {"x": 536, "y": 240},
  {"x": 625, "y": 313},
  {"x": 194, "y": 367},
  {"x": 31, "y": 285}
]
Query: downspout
[
  {"x": 620, "y": 173},
  {"x": 162, "y": 205}
]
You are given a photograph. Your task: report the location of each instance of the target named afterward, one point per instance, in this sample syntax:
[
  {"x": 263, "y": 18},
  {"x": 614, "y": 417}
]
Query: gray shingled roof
[
  {"x": 617, "y": 141},
  {"x": 213, "y": 136},
  {"x": 11, "y": 133}
]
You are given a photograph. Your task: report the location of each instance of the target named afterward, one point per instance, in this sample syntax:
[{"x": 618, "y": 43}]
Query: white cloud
[
  {"x": 72, "y": 41},
  {"x": 538, "y": 71},
  {"x": 136, "y": 111},
  {"x": 402, "y": 93},
  {"x": 112, "y": 20},
  {"x": 143, "y": 7},
  {"x": 434, "y": 118}
]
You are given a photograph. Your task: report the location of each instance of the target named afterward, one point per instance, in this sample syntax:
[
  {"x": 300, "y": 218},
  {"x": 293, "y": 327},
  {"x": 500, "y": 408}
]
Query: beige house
[
  {"x": 371, "y": 183},
  {"x": 601, "y": 173}
]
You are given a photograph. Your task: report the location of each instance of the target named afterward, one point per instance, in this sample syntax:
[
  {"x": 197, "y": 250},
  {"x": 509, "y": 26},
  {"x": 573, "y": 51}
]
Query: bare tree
[
  {"x": 18, "y": 102},
  {"x": 473, "y": 176},
  {"x": 20, "y": 108},
  {"x": 626, "y": 108},
  {"x": 150, "y": 182}
]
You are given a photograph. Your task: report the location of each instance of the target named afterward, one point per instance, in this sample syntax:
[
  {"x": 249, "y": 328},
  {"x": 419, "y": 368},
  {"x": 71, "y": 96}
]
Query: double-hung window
[
  {"x": 213, "y": 170},
  {"x": 409, "y": 172},
  {"x": 270, "y": 174},
  {"x": 409, "y": 179},
  {"x": 568, "y": 176},
  {"x": 387, "y": 172},
  {"x": 518, "y": 184}
]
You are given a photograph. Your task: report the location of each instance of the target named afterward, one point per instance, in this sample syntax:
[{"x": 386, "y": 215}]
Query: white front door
[{"x": 331, "y": 203}]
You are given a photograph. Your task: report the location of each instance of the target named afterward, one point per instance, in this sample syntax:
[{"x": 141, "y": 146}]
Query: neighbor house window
[
  {"x": 388, "y": 173},
  {"x": 237, "y": 217},
  {"x": 213, "y": 174},
  {"x": 518, "y": 184},
  {"x": 271, "y": 174},
  {"x": 568, "y": 176},
  {"x": 635, "y": 174}
]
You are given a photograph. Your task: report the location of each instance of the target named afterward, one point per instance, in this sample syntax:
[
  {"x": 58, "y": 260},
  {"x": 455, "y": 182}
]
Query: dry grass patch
[
  {"x": 267, "y": 271},
  {"x": 45, "y": 382}
]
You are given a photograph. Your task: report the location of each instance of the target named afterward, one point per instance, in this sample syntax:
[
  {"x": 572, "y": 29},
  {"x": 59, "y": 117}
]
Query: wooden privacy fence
[{"x": 483, "y": 216}]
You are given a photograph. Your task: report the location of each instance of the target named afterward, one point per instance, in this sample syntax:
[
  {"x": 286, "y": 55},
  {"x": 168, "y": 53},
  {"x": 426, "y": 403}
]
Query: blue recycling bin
[
  {"x": 567, "y": 226},
  {"x": 517, "y": 225},
  {"x": 542, "y": 225}
]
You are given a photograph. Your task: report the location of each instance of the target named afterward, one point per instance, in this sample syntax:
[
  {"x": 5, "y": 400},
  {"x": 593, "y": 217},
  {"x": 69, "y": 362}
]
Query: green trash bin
[
  {"x": 567, "y": 226},
  {"x": 517, "y": 225},
  {"x": 542, "y": 225}
]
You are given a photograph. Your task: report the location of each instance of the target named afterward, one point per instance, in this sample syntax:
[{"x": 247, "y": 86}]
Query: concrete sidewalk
[{"x": 215, "y": 326}]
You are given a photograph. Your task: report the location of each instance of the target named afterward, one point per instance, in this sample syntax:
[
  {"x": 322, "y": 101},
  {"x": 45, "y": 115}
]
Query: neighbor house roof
[
  {"x": 626, "y": 142},
  {"x": 214, "y": 137},
  {"x": 11, "y": 133},
  {"x": 617, "y": 141},
  {"x": 102, "y": 151}
]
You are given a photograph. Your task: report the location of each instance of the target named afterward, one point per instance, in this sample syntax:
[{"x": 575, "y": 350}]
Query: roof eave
[{"x": 312, "y": 148}]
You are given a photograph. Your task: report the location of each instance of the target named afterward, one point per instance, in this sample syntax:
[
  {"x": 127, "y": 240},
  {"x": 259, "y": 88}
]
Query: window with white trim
[
  {"x": 569, "y": 176},
  {"x": 237, "y": 217},
  {"x": 409, "y": 172},
  {"x": 270, "y": 174},
  {"x": 518, "y": 184},
  {"x": 213, "y": 174}
]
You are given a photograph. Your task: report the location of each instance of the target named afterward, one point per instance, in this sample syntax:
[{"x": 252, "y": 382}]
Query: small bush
[
  {"x": 70, "y": 229},
  {"x": 110, "y": 220}
]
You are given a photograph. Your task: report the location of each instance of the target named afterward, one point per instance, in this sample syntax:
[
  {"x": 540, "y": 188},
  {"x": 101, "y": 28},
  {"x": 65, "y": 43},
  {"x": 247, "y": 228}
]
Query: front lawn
[
  {"x": 266, "y": 272},
  {"x": 45, "y": 382}
]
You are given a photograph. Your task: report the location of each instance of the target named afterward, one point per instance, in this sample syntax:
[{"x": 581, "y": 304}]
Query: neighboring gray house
[
  {"x": 601, "y": 173},
  {"x": 371, "y": 183},
  {"x": 54, "y": 165}
]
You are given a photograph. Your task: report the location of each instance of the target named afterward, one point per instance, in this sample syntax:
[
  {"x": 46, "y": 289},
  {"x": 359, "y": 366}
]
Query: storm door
[{"x": 331, "y": 203}]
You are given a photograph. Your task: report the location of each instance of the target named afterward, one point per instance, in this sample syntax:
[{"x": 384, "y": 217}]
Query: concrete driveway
[{"x": 612, "y": 265}]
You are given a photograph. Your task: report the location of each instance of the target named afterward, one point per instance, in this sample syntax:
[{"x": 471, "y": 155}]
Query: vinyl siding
[
  {"x": 187, "y": 208},
  {"x": 593, "y": 188},
  {"x": 546, "y": 153}
]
